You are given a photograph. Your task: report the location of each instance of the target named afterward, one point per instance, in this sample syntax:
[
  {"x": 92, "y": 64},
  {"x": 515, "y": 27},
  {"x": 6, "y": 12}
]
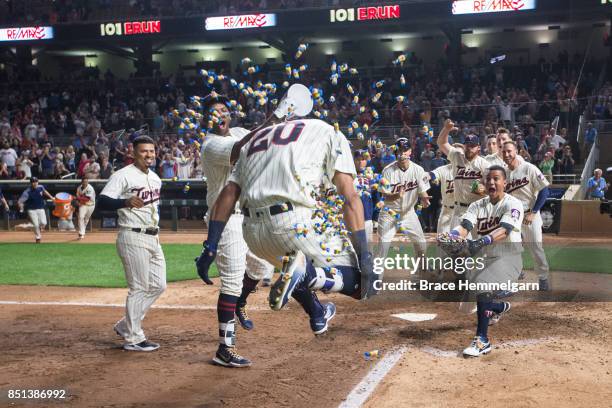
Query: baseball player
[
  {"x": 276, "y": 178},
  {"x": 240, "y": 271},
  {"x": 407, "y": 183},
  {"x": 134, "y": 192},
  {"x": 494, "y": 147},
  {"x": 364, "y": 188},
  {"x": 527, "y": 183},
  {"x": 444, "y": 176},
  {"x": 86, "y": 197},
  {"x": 496, "y": 218},
  {"x": 468, "y": 169},
  {"x": 33, "y": 200}
]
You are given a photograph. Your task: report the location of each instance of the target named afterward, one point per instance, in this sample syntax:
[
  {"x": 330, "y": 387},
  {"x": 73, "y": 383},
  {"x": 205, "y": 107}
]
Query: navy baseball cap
[
  {"x": 33, "y": 179},
  {"x": 358, "y": 153},
  {"x": 212, "y": 98},
  {"x": 472, "y": 140},
  {"x": 403, "y": 144}
]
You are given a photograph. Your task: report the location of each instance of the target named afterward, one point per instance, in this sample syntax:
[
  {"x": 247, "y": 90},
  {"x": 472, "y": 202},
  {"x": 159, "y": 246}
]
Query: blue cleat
[
  {"x": 292, "y": 273},
  {"x": 319, "y": 325},
  {"x": 243, "y": 317}
]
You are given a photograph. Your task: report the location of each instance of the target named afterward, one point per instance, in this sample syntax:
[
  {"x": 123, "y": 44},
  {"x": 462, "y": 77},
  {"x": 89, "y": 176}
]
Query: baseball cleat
[
  {"x": 291, "y": 275},
  {"x": 478, "y": 347},
  {"x": 319, "y": 325},
  {"x": 543, "y": 285},
  {"x": 243, "y": 317},
  {"x": 142, "y": 346},
  {"x": 38, "y": 240},
  {"x": 229, "y": 357},
  {"x": 266, "y": 282},
  {"x": 496, "y": 316}
]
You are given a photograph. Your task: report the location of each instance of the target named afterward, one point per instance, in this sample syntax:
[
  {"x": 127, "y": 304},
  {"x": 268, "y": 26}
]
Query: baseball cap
[
  {"x": 472, "y": 139},
  {"x": 403, "y": 143},
  {"x": 359, "y": 152},
  {"x": 33, "y": 179},
  {"x": 212, "y": 98}
]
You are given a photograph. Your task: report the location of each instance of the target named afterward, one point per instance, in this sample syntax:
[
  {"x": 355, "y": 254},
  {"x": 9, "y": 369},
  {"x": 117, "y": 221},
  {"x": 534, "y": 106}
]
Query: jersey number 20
[{"x": 260, "y": 143}]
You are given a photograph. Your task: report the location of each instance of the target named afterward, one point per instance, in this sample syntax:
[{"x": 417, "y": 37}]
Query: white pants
[
  {"x": 387, "y": 228},
  {"x": 234, "y": 257},
  {"x": 369, "y": 230},
  {"x": 532, "y": 240},
  {"x": 39, "y": 219},
  {"x": 445, "y": 219},
  {"x": 271, "y": 237},
  {"x": 145, "y": 272},
  {"x": 85, "y": 212}
]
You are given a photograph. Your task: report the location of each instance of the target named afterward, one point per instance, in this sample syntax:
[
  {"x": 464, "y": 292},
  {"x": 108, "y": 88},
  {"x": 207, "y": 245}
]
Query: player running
[
  {"x": 86, "y": 197},
  {"x": 33, "y": 200}
]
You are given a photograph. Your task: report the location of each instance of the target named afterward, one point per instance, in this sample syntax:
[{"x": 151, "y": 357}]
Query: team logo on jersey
[
  {"x": 467, "y": 174},
  {"x": 515, "y": 214},
  {"x": 148, "y": 196},
  {"x": 450, "y": 186},
  {"x": 487, "y": 225},
  {"x": 406, "y": 186},
  {"x": 516, "y": 184}
]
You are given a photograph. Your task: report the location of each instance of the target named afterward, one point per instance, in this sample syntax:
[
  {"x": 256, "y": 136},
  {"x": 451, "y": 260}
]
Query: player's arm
[
  {"x": 4, "y": 203},
  {"x": 353, "y": 207},
  {"x": 423, "y": 183},
  {"x": 110, "y": 196},
  {"x": 442, "y": 141},
  {"x": 220, "y": 214},
  {"x": 47, "y": 194}
]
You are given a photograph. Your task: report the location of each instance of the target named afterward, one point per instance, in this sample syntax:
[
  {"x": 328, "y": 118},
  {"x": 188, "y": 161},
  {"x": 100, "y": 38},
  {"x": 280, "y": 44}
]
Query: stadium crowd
[{"x": 71, "y": 132}]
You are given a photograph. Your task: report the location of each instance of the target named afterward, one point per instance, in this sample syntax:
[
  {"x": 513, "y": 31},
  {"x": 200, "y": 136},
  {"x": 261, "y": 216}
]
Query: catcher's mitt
[{"x": 453, "y": 245}]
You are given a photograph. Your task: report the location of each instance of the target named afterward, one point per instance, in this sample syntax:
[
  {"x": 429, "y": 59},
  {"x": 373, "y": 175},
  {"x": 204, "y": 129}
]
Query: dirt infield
[
  {"x": 168, "y": 237},
  {"x": 545, "y": 354}
]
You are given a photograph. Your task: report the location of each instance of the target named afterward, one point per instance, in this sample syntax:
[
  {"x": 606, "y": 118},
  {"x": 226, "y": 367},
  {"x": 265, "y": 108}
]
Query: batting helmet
[{"x": 403, "y": 144}]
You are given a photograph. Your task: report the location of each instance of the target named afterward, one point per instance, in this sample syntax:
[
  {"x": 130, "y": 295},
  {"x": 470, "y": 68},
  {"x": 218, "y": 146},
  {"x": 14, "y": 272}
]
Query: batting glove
[
  {"x": 203, "y": 262},
  {"x": 474, "y": 246}
]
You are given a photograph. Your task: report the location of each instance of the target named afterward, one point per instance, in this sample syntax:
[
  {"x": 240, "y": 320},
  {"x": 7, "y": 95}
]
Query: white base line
[
  {"x": 364, "y": 389},
  {"x": 122, "y": 305}
]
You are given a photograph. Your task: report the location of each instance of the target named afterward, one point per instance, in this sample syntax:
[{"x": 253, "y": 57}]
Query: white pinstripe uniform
[
  {"x": 464, "y": 174},
  {"x": 524, "y": 183},
  {"x": 502, "y": 260},
  {"x": 141, "y": 254},
  {"x": 86, "y": 208},
  {"x": 233, "y": 254},
  {"x": 285, "y": 164},
  {"x": 444, "y": 174},
  {"x": 411, "y": 182}
]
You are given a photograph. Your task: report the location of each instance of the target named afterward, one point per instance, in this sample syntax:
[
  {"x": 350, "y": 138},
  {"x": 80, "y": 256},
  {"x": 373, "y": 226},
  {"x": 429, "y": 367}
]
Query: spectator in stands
[
  {"x": 427, "y": 157},
  {"x": 558, "y": 139},
  {"x": 92, "y": 170},
  {"x": 438, "y": 160},
  {"x": 4, "y": 173},
  {"x": 47, "y": 162},
  {"x": 566, "y": 164},
  {"x": 185, "y": 164},
  {"x": 597, "y": 186},
  {"x": 167, "y": 167},
  {"x": 24, "y": 166},
  {"x": 59, "y": 169},
  {"x": 82, "y": 164},
  {"x": 105, "y": 168},
  {"x": 547, "y": 165},
  {"x": 590, "y": 136},
  {"x": 8, "y": 157}
]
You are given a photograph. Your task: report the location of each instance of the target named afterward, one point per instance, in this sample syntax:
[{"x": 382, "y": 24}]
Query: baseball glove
[{"x": 453, "y": 245}]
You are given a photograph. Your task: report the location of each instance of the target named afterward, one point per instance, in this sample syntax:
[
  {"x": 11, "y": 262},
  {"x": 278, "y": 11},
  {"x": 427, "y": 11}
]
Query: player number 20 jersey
[{"x": 289, "y": 161}]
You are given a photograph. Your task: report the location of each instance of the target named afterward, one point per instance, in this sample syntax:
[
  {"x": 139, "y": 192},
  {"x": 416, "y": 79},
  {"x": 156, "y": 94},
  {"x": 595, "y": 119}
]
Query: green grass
[
  {"x": 95, "y": 265},
  {"x": 98, "y": 265}
]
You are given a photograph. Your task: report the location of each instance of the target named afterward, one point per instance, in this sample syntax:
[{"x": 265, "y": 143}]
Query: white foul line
[
  {"x": 364, "y": 389},
  {"x": 122, "y": 305}
]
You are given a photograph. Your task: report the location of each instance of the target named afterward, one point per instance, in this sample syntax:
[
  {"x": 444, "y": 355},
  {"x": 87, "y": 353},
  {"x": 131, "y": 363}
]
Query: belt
[
  {"x": 450, "y": 207},
  {"x": 273, "y": 209},
  {"x": 527, "y": 211},
  {"x": 461, "y": 204},
  {"x": 148, "y": 231}
]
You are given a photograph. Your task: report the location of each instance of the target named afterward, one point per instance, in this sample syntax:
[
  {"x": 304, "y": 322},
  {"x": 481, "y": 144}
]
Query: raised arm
[{"x": 442, "y": 141}]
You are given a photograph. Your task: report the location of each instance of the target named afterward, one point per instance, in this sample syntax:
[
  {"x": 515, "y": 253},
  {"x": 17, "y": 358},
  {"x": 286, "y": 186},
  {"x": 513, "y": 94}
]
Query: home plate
[{"x": 415, "y": 317}]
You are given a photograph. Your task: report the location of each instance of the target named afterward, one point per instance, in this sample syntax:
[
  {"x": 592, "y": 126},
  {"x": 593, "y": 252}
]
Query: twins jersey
[
  {"x": 496, "y": 160},
  {"x": 411, "y": 182},
  {"x": 525, "y": 182},
  {"x": 88, "y": 192},
  {"x": 131, "y": 181},
  {"x": 216, "y": 166},
  {"x": 447, "y": 185},
  {"x": 288, "y": 162},
  {"x": 465, "y": 173},
  {"x": 487, "y": 217}
]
